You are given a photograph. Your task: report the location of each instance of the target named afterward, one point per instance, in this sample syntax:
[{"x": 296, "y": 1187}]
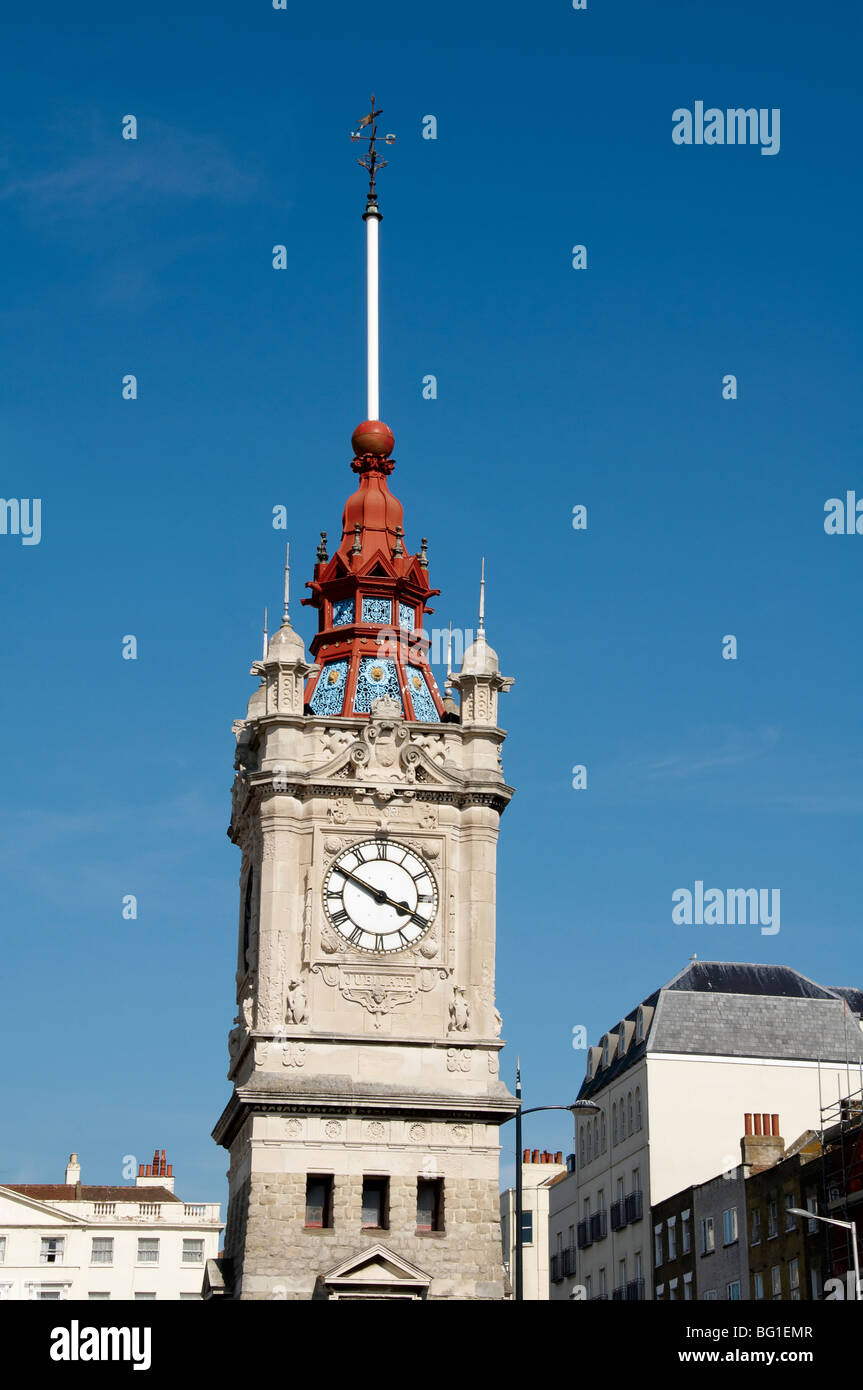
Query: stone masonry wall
[{"x": 279, "y": 1258}]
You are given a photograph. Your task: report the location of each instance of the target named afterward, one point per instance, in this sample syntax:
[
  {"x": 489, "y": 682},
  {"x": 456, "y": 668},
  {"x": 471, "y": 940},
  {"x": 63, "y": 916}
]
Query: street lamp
[
  {"x": 585, "y": 1107},
  {"x": 846, "y": 1226}
]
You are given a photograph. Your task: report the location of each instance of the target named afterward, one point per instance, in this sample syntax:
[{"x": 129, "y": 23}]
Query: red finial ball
[{"x": 373, "y": 437}]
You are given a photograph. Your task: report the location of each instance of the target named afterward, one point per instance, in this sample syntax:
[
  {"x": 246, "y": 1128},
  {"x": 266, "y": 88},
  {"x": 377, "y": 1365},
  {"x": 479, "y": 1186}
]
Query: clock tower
[{"x": 363, "y": 1127}]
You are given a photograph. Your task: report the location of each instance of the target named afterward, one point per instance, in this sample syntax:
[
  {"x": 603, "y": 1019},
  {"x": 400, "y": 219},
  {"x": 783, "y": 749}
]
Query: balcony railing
[
  {"x": 634, "y": 1207},
  {"x": 583, "y": 1235},
  {"x": 618, "y": 1295},
  {"x": 598, "y": 1226},
  {"x": 563, "y": 1264},
  {"x": 627, "y": 1210},
  {"x": 635, "y": 1291}
]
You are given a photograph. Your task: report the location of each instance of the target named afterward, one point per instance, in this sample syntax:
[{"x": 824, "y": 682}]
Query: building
[
  {"x": 72, "y": 1241},
  {"x": 720, "y": 1237},
  {"x": 363, "y": 1126},
  {"x": 538, "y": 1173},
  {"x": 672, "y": 1220},
  {"x": 731, "y": 1039},
  {"x": 786, "y": 1250}
]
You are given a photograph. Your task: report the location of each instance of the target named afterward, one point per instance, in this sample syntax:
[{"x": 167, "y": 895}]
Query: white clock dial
[{"x": 380, "y": 896}]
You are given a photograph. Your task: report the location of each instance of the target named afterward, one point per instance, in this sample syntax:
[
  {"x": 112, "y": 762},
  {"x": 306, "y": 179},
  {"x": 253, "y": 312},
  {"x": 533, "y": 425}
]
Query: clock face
[{"x": 380, "y": 896}]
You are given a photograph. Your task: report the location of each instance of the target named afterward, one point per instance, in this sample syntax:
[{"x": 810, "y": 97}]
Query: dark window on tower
[
  {"x": 376, "y": 1203},
  {"x": 527, "y": 1228},
  {"x": 430, "y": 1204},
  {"x": 247, "y": 916},
  {"x": 319, "y": 1200}
]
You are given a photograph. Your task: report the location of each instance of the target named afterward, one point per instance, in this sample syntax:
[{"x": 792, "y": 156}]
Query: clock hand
[{"x": 377, "y": 893}]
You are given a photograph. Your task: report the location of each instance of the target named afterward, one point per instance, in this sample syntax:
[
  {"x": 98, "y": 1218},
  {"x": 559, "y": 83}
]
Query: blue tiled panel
[
  {"x": 377, "y": 610},
  {"x": 424, "y": 705},
  {"x": 376, "y": 678},
  {"x": 329, "y": 693},
  {"x": 343, "y": 612},
  {"x": 406, "y": 615}
]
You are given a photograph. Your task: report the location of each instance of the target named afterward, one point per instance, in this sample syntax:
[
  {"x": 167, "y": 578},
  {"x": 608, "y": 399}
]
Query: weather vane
[{"x": 371, "y": 161}]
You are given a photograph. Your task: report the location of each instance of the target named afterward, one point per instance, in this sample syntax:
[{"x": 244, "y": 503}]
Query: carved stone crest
[{"x": 459, "y": 1059}]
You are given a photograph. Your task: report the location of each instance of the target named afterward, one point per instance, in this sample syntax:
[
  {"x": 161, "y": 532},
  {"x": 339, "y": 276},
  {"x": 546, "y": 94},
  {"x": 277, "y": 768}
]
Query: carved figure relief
[
  {"x": 459, "y": 1011},
  {"x": 296, "y": 1010}
]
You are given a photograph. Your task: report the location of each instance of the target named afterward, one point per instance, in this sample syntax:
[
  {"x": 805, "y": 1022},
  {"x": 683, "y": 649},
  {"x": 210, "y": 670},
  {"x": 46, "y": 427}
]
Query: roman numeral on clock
[
  {"x": 355, "y": 935},
  {"x": 338, "y": 917}
]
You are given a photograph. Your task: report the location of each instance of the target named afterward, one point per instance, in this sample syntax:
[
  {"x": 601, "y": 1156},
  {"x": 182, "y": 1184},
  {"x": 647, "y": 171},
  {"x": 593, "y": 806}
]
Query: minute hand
[{"x": 377, "y": 893}]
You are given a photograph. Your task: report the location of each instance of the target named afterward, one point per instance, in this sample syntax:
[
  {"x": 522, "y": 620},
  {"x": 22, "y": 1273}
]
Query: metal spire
[
  {"x": 372, "y": 217},
  {"x": 481, "y": 629},
  {"x": 285, "y": 618},
  {"x": 265, "y": 634}
]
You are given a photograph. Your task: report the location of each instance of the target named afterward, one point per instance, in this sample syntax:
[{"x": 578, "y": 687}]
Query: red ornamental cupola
[{"x": 371, "y": 598}]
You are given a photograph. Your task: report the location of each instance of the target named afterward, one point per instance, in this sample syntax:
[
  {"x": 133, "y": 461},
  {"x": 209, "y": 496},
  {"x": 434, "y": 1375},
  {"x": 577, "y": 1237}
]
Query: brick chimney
[
  {"x": 73, "y": 1171},
  {"x": 159, "y": 1173},
  {"x": 762, "y": 1144}
]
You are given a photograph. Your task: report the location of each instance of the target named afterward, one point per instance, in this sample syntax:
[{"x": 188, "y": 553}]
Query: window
[
  {"x": 672, "y": 1237},
  {"x": 588, "y": 1286},
  {"x": 144, "y": 1297},
  {"x": 527, "y": 1228},
  {"x": 755, "y": 1219},
  {"x": 190, "y": 1297},
  {"x": 98, "y": 1296},
  {"x": 148, "y": 1251},
  {"x": 102, "y": 1252},
  {"x": 811, "y": 1205},
  {"x": 600, "y": 1200},
  {"x": 193, "y": 1252},
  {"x": 687, "y": 1287},
  {"x": 376, "y": 1203},
  {"x": 657, "y": 1246},
  {"x": 596, "y": 1137},
  {"x": 630, "y": 1123},
  {"x": 729, "y": 1226},
  {"x": 794, "y": 1280},
  {"x": 2, "y": 1250},
  {"x": 620, "y": 1192},
  {"x": 672, "y": 1289},
  {"x": 758, "y": 1281},
  {"x": 776, "y": 1281},
  {"x": 707, "y": 1238},
  {"x": 772, "y": 1220},
  {"x": 603, "y": 1283},
  {"x": 603, "y": 1135},
  {"x": 710, "y": 1296},
  {"x": 733, "y": 1290},
  {"x": 636, "y": 1179},
  {"x": 660, "y": 1291},
  {"x": 614, "y": 1134},
  {"x": 639, "y": 1271},
  {"x": 589, "y": 1153},
  {"x": 790, "y": 1222},
  {"x": 586, "y": 1209},
  {"x": 319, "y": 1201},
  {"x": 430, "y": 1206},
  {"x": 621, "y": 1274},
  {"x": 581, "y": 1146},
  {"x": 51, "y": 1251},
  {"x": 49, "y": 1293},
  {"x": 638, "y": 1115},
  {"x": 685, "y": 1233},
  {"x": 606, "y": 1050}
]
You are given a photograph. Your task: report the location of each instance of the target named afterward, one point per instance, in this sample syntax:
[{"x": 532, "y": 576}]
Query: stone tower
[{"x": 363, "y": 1128}]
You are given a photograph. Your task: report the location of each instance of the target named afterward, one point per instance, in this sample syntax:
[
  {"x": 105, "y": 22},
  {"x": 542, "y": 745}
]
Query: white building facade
[
  {"x": 672, "y": 1080},
  {"x": 538, "y": 1173},
  {"x": 138, "y": 1242}
]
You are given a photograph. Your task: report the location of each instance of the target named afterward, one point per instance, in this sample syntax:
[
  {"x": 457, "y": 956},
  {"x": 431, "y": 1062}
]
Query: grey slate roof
[{"x": 728, "y": 1009}]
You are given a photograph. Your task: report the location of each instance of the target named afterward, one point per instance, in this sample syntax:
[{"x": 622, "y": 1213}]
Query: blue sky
[{"x": 555, "y": 387}]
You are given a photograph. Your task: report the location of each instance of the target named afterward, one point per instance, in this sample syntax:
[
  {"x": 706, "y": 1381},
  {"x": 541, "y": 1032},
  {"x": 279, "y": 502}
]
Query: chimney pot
[
  {"x": 170, "y": 1170},
  {"x": 747, "y": 1124},
  {"x": 774, "y": 1121},
  {"x": 757, "y": 1124},
  {"x": 535, "y": 1156},
  {"x": 558, "y": 1157},
  {"x": 525, "y": 1158}
]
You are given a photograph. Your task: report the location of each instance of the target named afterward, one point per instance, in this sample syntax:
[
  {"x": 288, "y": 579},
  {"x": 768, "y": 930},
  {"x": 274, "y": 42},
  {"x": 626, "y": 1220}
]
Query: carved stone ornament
[
  {"x": 459, "y": 1059},
  {"x": 460, "y": 1133},
  {"x": 333, "y": 1129},
  {"x": 293, "y": 1054},
  {"x": 417, "y": 1133},
  {"x": 376, "y": 1130},
  {"x": 337, "y": 812},
  {"x": 493, "y": 1063},
  {"x": 376, "y": 990},
  {"x": 294, "y": 1129}
]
